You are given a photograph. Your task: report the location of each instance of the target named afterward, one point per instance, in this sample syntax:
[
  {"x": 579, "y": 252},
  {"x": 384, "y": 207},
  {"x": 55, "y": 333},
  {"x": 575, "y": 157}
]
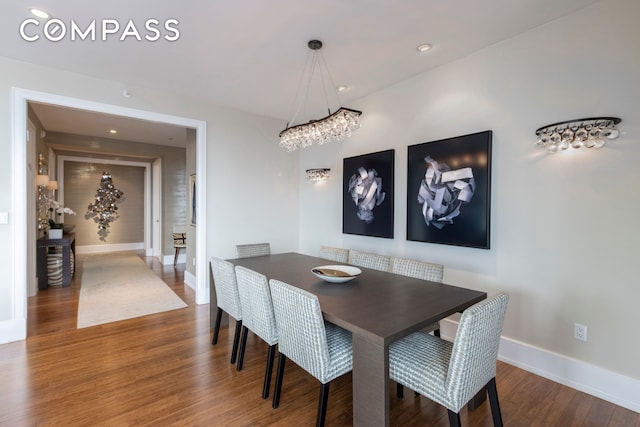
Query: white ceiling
[
  {"x": 89, "y": 123},
  {"x": 250, "y": 54}
]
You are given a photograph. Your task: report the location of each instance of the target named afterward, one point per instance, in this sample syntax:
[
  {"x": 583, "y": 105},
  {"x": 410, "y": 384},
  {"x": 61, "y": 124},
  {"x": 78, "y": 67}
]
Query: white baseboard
[
  {"x": 604, "y": 384},
  {"x": 168, "y": 259},
  {"x": 13, "y": 330},
  {"x": 189, "y": 280},
  {"x": 93, "y": 249},
  {"x": 202, "y": 297}
]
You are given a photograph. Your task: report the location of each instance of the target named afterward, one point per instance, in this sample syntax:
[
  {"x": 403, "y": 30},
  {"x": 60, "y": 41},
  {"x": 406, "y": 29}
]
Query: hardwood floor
[{"x": 162, "y": 370}]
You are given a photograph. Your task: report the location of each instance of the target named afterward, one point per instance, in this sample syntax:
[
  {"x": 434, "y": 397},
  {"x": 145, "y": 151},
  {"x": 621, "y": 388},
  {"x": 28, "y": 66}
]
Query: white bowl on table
[{"x": 336, "y": 273}]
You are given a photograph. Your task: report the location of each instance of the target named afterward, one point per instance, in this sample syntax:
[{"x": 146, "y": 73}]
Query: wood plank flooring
[{"x": 162, "y": 370}]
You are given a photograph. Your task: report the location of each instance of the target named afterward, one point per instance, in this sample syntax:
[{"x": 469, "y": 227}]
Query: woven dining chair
[
  {"x": 334, "y": 254},
  {"x": 179, "y": 241},
  {"x": 420, "y": 270},
  {"x": 253, "y": 249},
  {"x": 227, "y": 300},
  {"x": 373, "y": 261},
  {"x": 451, "y": 374},
  {"x": 320, "y": 348},
  {"x": 258, "y": 317}
]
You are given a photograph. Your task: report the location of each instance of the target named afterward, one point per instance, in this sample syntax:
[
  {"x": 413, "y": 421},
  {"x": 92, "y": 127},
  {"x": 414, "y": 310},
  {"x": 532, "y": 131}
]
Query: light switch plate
[{"x": 4, "y": 217}]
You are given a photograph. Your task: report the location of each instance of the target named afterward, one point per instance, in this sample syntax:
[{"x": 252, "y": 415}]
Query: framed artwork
[
  {"x": 367, "y": 202},
  {"x": 449, "y": 191},
  {"x": 192, "y": 199}
]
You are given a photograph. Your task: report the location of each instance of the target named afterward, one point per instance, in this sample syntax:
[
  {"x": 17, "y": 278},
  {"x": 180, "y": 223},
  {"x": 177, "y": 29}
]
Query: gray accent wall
[
  {"x": 81, "y": 182},
  {"x": 174, "y": 176}
]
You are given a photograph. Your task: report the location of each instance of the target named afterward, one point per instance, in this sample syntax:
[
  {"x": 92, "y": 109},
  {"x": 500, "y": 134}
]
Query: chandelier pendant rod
[
  {"x": 296, "y": 103},
  {"x": 321, "y": 61},
  {"x": 332, "y": 82}
]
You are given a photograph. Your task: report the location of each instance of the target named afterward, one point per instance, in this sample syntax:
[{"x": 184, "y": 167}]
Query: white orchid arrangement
[{"x": 57, "y": 208}]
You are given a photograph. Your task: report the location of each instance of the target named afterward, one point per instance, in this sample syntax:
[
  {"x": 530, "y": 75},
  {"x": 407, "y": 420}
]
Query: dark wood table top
[
  {"x": 379, "y": 306},
  {"x": 66, "y": 239}
]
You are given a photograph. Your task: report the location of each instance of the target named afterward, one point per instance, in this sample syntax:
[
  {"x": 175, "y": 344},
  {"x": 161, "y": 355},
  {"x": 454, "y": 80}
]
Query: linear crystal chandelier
[
  {"x": 590, "y": 133},
  {"x": 335, "y": 126}
]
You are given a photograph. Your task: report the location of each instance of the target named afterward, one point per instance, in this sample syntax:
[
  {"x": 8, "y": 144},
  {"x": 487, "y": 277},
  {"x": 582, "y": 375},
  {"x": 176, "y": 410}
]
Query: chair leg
[
  {"x": 454, "y": 419},
  {"x": 399, "y": 391},
  {"x": 236, "y": 339},
  {"x": 495, "y": 404},
  {"x": 436, "y": 332},
  {"x": 267, "y": 374},
  {"x": 279, "y": 377},
  {"x": 175, "y": 257},
  {"x": 478, "y": 399},
  {"x": 322, "y": 404},
  {"x": 216, "y": 328},
  {"x": 243, "y": 346}
]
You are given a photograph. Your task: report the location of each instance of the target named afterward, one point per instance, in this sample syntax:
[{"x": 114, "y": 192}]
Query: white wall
[
  {"x": 252, "y": 184},
  {"x": 253, "y": 194},
  {"x": 564, "y": 233}
]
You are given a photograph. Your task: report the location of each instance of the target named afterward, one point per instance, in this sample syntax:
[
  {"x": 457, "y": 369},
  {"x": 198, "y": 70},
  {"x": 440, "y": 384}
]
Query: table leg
[
  {"x": 43, "y": 275},
  {"x": 370, "y": 383},
  {"x": 66, "y": 266},
  {"x": 73, "y": 249}
]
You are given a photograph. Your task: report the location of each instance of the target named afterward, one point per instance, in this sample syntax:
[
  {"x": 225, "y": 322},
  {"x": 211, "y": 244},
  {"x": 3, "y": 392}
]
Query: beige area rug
[{"x": 120, "y": 286}]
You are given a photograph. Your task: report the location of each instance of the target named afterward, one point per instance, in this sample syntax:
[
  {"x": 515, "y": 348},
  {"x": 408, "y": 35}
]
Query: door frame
[
  {"x": 32, "y": 168},
  {"x": 20, "y": 191},
  {"x": 156, "y": 209}
]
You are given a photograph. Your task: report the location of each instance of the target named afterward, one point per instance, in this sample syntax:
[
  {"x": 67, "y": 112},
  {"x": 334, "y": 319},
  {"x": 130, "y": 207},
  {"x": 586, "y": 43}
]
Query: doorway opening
[{"x": 21, "y": 192}]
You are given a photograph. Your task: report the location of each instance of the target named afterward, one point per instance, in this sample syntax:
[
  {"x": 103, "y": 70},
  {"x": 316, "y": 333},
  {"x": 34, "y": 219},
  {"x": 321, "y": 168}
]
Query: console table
[{"x": 68, "y": 243}]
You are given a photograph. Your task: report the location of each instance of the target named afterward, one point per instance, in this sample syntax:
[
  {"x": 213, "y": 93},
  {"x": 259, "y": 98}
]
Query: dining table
[{"x": 378, "y": 308}]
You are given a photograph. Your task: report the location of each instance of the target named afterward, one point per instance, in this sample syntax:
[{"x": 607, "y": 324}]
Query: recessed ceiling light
[
  {"x": 39, "y": 13},
  {"x": 342, "y": 88},
  {"x": 423, "y": 47},
  {"x": 113, "y": 131}
]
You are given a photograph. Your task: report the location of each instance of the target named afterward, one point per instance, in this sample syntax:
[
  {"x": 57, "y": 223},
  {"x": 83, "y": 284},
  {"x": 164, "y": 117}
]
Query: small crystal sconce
[{"x": 317, "y": 175}]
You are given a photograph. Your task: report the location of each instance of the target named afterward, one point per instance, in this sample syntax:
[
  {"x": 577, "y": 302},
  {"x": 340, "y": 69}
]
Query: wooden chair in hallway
[{"x": 179, "y": 241}]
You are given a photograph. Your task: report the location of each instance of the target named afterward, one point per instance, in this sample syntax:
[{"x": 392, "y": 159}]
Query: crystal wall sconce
[
  {"x": 317, "y": 175},
  {"x": 590, "y": 133}
]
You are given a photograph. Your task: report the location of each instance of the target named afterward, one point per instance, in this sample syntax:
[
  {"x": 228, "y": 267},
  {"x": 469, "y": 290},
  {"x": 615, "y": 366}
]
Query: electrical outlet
[{"x": 580, "y": 332}]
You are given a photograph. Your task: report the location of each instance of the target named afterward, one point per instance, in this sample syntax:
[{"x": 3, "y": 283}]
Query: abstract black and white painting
[
  {"x": 448, "y": 191},
  {"x": 367, "y": 204}
]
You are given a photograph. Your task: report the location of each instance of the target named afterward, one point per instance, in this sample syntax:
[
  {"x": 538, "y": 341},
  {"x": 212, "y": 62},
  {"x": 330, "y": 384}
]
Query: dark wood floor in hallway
[{"x": 162, "y": 370}]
